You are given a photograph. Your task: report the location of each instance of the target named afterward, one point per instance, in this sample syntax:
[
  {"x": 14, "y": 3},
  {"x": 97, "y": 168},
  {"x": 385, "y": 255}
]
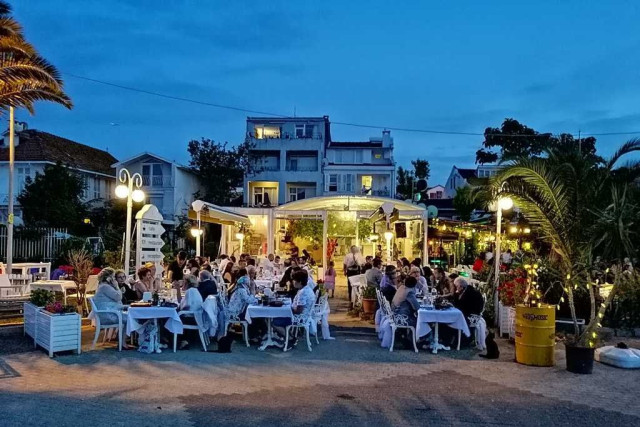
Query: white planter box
[
  {"x": 58, "y": 332},
  {"x": 30, "y": 313},
  {"x": 507, "y": 318}
]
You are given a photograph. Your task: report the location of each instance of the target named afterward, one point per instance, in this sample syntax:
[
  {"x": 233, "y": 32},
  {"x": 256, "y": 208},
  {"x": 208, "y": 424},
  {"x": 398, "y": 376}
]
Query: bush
[
  {"x": 369, "y": 292},
  {"x": 41, "y": 297},
  {"x": 625, "y": 307}
]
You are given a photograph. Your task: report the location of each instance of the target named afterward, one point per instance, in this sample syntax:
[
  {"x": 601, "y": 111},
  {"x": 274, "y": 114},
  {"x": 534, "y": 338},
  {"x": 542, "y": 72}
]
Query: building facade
[
  {"x": 166, "y": 184},
  {"x": 295, "y": 159},
  {"x": 35, "y": 150},
  {"x": 459, "y": 177}
]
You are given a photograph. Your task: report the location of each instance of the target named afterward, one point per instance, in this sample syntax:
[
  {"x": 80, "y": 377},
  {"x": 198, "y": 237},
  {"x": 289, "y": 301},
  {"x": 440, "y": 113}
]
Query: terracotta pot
[{"x": 369, "y": 305}]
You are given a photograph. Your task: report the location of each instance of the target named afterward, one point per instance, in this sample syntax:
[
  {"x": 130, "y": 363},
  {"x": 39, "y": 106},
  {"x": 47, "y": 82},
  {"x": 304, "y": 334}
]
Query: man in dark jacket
[
  {"x": 467, "y": 298},
  {"x": 207, "y": 285}
]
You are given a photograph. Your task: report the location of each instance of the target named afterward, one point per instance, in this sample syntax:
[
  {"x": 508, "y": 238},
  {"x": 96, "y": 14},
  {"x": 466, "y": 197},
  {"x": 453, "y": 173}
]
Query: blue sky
[{"x": 557, "y": 66}]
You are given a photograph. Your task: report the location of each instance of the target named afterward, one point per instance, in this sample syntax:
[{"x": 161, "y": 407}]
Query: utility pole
[{"x": 12, "y": 155}]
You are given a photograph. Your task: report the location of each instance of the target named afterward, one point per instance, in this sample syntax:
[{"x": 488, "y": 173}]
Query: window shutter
[{"x": 326, "y": 182}]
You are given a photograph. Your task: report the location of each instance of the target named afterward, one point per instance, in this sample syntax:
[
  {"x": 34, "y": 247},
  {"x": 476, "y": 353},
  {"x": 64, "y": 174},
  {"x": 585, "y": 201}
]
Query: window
[
  {"x": 24, "y": 175},
  {"x": 304, "y": 131},
  {"x": 265, "y": 196},
  {"x": 300, "y": 193},
  {"x": 358, "y": 156},
  {"x": 152, "y": 174},
  {"x": 97, "y": 189},
  {"x": 348, "y": 183},
  {"x": 333, "y": 182},
  {"x": 267, "y": 132},
  {"x": 377, "y": 155},
  {"x": 438, "y": 194}
]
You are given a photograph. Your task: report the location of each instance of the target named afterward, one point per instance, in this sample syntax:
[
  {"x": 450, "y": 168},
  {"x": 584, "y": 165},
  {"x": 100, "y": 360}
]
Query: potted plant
[
  {"x": 82, "y": 264},
  {"x": 58, "y": 328},
  {"x": 369, "y": 300},
  {"x": 39, "y": 298},
  {"x": 511, "y": 292}
]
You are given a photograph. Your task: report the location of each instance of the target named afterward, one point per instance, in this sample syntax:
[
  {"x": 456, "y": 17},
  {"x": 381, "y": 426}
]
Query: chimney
[
  {"x": 387, "y": 141},
  {"x": 17, "y": 128}
]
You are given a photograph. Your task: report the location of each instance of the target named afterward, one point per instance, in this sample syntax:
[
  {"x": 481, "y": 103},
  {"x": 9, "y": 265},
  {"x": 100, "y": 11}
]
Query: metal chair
[
  {"x": 299, "y": 321},
  {"x": 397, "y": 321},
  {"x": 234, "y": 320},
  {"x": 203, "y": 339},
  {"x": 100, "y": 325},
  {"x": 318, "y": 311}
]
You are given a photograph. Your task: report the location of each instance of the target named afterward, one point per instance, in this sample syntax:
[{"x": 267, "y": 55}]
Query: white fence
[{"x": 42, "y": 244}]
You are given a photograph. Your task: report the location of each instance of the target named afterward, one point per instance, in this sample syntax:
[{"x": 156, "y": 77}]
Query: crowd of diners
[
  {"x": 402, "y": 282},
  {"x": 193, "y": 281}
]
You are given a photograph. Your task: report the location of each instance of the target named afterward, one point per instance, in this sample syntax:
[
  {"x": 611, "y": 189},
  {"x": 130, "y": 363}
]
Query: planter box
[
  {"x": 30, "y": 315},
  {"x": 58, "y": 332},
  {"x": 507, "y": 319}
]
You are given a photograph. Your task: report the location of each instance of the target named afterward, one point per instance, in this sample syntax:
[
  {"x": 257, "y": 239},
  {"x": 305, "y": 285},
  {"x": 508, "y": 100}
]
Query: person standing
[
  {"x": 352, "y": 265},
  {"x": 176, "y": 272}
]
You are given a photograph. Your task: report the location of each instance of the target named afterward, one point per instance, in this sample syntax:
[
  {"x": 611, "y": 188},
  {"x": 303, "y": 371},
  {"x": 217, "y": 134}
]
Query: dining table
[
  {"x": 137, "y": 317},
  {"x": 450, "y": 316},
  {"x": 268, "y": 312}
]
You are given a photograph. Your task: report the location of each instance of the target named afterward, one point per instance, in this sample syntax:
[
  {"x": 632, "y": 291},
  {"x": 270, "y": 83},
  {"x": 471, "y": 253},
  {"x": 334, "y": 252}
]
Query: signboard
[{"x": 149, "y": 230}]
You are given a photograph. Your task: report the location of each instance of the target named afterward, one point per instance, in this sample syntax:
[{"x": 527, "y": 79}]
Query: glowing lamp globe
[
  {"x": 505, "y": 203},
  {"x": 195, "y": 232},
  {"x": 122, "y": 191},
  {"x": 239, "y": 236},
  {"x": 388, "y": 235},
  {"x": 137, "y": 196}
]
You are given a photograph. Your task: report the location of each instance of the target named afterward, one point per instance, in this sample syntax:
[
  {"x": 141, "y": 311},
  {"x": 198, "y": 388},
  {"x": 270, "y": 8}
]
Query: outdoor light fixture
[
  {"x": 373, "y": 237},
  {"x": 513, "y": 229},
  {"x": 527, "y": 230},
  {"x": 388, "y": 235},
  {"x": 125, "y": 190},
  {"x": 505, "y": 203},
  {"x": 196, "y": 232},
  {"x": 239, "y": 236}
]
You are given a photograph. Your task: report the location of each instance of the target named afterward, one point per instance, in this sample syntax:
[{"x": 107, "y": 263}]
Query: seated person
[
  {"x": 192, "y": 301},
  {"x": 467, "y": 298},
  {"x": 373, "y": 276},
  {"x": 128, "y": 293},
  {"x": 144, "y": 282},
  {"x": 442, "y": 283},
  {"x": 405, "y": 301},
  {"x": 227, "y": 274},
  {"x": 389, "y": 282},
  {"x": 239, "y": 275},
  {"x": 302, "y": 303},
  {"x": 421, "y": 286},
  {"x": 207, "y": 285},
  {"x": 157, "y": 281},
  {"x": 109, "y": 297},
  {"x": 240, "y": 299},
  {"x": 252, "y": 272}
]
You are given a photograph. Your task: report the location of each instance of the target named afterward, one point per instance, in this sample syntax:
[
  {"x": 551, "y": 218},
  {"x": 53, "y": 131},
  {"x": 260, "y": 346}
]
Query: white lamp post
[
  {"x": 126, "y": 190},
  {"x": 197, "y": 232},
  {"x": 504, "y": 203},
  {"x": 12, "y": 151},
  {"x": 388, "y": 235}
]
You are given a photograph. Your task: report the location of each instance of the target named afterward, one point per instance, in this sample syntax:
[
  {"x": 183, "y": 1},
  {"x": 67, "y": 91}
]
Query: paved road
[{"x": 344, "y": 382}]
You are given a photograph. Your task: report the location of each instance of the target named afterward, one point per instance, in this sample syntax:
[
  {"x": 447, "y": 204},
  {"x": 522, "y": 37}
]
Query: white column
[
  {"x": 270, "y": 232},
  {"x": 10, "y": 213},
  {"x": 496, "y": 258},
  {"x": 425, "y": 239},
  {"x": 223, "y": 239},
  {"x": 325, "y": 226},
  {"x": 357, "y": 233}
]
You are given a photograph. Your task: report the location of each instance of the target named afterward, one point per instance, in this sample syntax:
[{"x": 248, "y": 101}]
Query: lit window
[
  {"x": 265, "y": 196},
  {"x": 267, "y": 132}
]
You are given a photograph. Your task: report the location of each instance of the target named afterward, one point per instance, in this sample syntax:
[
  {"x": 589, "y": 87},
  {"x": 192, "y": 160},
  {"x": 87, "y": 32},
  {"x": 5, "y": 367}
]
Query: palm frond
[
  {"x": 9, "y": 26},
  {"x": 626, "y": 148}
]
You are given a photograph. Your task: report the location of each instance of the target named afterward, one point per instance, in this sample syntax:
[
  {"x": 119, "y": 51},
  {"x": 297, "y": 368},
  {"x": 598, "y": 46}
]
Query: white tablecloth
[
  {"x": 268, "y": 312},
  {"x": 451, "y": 317},
  {"x": 134, "y": 314},
  {"x": 53, "y": 285},
  {"x": 264, "y": 283}
]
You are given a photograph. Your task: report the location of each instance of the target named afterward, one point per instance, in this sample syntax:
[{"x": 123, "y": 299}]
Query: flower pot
[
  {"x": 369, "y": 305},
  {"x": 30, "y": 311},
  {"x": 58, "y": 332},
  {"x": 579, "y": 359}
]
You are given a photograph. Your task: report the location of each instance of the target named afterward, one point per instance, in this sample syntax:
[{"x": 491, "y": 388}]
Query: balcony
[{"x": 159, "y": 181}]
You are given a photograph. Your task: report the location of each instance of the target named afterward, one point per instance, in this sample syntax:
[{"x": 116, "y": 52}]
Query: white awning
[{"x": 215, "y": 214}]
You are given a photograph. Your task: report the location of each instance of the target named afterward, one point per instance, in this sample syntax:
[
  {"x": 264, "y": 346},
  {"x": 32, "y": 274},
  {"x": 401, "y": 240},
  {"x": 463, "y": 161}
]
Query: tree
[
  {"x": 578, "y": 205},
  {"x": 54, "y": 199},
  {"x": 25, "y": 77},
  {"x": 220, "y": 168},
  {"x": 421, "y": 168},
  {"x": 405, "y": 179},
  {"x": 465, "y": 203}
]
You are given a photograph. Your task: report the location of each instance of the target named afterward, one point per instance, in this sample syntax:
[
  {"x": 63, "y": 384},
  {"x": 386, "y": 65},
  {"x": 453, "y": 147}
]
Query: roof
[
  {"x": 343, "y": 203},
  {"x": 287, "y": 119},
  {"x": 38, "y": 146},
  {"x": 355, "y": 144},
  {"x": 215, "y": 214},
  {"x": 467, "y": 173},
  {"x": 155, "y": 156}
]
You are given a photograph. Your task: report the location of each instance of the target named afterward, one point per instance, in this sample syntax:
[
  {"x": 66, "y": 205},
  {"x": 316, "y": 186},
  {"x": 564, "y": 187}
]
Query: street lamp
[
  {"x": 197, "y": 232},
  {"x": 240, "y": 236},
  {"x": 504, "y": 203},
  {"x": 126, "y": 190}
]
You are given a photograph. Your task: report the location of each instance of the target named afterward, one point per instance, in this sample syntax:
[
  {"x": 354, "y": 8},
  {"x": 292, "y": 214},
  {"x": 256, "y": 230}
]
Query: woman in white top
[
  {"x": 109, "y": 297},
  {"x": 192, "y": 301}
]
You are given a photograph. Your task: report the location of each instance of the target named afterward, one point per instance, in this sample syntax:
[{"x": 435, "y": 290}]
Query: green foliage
[
  {"x": 421, "y": 168},
  {"x": 220, "y": 168},
  {"x": 465, "y": 203},
  {"x": 54, "y": 199},
  {"x": 310, "y": 229},
  {"x": 405, "y": 180},
  {"x": 41, "y": 297},
  {"x": 625, "y": 307},
  {"x": 369, "y": 292},
  {"x": 112, "y": 259}
]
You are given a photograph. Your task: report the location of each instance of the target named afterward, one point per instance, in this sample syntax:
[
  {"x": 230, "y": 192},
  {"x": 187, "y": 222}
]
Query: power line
[{"x": 360, "y": 125}]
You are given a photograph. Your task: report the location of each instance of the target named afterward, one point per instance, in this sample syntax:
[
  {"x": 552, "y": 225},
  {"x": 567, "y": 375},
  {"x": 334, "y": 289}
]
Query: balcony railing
[
  {"x": 300, "y": 168},
  {"x": 156, "y": 181}
]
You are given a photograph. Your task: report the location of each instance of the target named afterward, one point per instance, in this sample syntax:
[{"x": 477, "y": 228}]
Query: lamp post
[
  {"x": 504, "y": 203},
  {"x": 197, "y": 233},
  {"x": 12, "y": 151},
  {"x": 240, "y": 236},
  {"x": 126, "y": 190}
]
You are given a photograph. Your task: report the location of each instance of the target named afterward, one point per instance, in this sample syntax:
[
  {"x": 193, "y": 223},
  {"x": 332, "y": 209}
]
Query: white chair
[
  {"x": 90, "y": 288},
  {"x": 397, "y": 321},
  {"x": 203, "y": 339},
  {"x": 100, "y": 325},
  {"x": 234, "y": 320},
  {"x": 318, "y": 312},
  {"x": 358, "y": 282},
  {"x": 299, "y": 321}
]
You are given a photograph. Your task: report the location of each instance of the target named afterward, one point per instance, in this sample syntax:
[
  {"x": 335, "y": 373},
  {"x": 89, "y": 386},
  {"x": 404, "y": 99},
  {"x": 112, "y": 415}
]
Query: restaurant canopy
[{"x": 208, "y": 212}]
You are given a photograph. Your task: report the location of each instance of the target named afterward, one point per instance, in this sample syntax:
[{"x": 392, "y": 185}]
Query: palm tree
[
  {"x": 567, "y": 197},
  {"x": 25, "y": 77}
]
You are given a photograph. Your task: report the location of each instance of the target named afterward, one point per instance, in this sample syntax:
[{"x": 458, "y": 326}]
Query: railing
[
  {"x": 44, "y": 244},
  {"x": 156, "y": 181},
  {"x": 287, "y": 135},
  {"x": 302, "y": 168}
]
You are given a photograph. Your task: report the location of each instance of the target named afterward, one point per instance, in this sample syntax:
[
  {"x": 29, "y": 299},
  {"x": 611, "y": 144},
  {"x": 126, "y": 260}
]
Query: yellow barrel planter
[{"x": 535, "y": 335}]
